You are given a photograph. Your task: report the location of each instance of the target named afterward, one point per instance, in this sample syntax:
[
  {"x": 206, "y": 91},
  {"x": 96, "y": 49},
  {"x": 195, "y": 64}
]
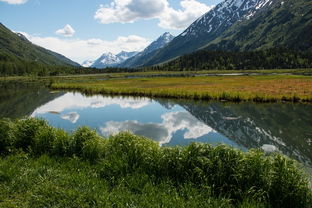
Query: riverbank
[
  {"x": 259, "y": 88},
  {"x": 41, "y": 166}
]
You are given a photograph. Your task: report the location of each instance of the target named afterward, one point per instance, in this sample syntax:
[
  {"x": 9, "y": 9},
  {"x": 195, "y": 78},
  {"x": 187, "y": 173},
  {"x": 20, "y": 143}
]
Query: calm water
[{"x": 170, "y": 122}]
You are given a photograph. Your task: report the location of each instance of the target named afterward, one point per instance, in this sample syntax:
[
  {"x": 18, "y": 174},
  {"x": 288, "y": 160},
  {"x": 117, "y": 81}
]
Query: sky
[{"x": 84, "y": 29}]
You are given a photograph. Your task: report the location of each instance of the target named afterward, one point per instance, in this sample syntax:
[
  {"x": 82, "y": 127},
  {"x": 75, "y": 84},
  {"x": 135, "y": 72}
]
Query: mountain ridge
[
  {"x": 18, "y": 46},
  {"x": 208, "y": 27},
  {"x": 111, "y": 60},
  {"x": 149, "y": 51}
]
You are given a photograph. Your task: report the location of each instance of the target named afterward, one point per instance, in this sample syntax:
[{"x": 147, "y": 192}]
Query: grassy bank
[
  {"x": 41, "y": 166},
  {"x": 268, "y": 88}
]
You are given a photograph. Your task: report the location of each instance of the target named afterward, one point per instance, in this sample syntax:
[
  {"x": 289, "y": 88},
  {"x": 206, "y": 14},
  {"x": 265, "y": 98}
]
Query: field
[
  {"x": 260, "y": 88},
  {"x": 41, "y": 166}
]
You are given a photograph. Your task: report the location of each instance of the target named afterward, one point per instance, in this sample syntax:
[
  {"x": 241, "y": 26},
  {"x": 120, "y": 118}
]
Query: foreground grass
[
  {"x": 41, "y": 166},
  {"x": 268, "y": 88}
]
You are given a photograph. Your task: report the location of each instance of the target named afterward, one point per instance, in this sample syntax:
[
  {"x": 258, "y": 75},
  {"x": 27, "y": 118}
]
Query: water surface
[{"x": 286, "y": 127}]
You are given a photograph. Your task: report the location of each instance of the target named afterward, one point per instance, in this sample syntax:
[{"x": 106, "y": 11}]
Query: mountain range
[
  {"x": 148, "y": 52},
  {"x": 111, "y": 60},
  {"x": 238, "y": 26},
  {"x": 244, "y": 25},
  {"x": 129, "y": 59}
]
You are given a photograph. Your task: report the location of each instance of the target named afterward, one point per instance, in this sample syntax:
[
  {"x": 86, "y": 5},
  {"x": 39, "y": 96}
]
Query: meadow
[
  {"x": 258, "y": 88},
  {"x": 41, "y": 166}
]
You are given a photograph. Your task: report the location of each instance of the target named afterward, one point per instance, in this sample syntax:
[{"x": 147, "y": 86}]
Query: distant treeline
[
  {"x": 277, "y": 58},
  {"x": 14, "y": 66}
]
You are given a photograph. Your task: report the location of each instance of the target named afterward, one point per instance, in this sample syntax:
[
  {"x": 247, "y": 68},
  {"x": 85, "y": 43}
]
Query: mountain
[
  {"x": 87, "y": 63},
  {"x": 111, "y": 60},
  {"x": 209, "y": 27},
  {"x": 149, "y": 51},
  {"x": 284, "y": 24},
  {"x": 15, "y": 46}
]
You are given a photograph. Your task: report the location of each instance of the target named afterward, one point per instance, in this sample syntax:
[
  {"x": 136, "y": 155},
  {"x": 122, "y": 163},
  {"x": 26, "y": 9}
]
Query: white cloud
[
  {"x": 14, "y": 1},
  {"x": 180, "y": 19},
  {"x": 162, "y": 132},
  {"x": 74, "y": 101},
  {"x": 128, "y": 11},
  {"x": 72, "y": 117},
  {"x": 67, "y": 31},
  {"x": 90, "y": 49}
]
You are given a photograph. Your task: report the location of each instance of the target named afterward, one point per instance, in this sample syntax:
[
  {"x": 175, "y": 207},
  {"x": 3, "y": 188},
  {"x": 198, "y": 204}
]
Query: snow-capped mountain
[
  {"x": 223, "y": 16},
  {"x": 159, "y": 43},
  {"x": 112, "y": 60},
  {"x": 124, "y": 55},
  {"x": 87, "y": 63},
  {"x": 209, "y": 27},
  {"x": 148, "y": 52}
]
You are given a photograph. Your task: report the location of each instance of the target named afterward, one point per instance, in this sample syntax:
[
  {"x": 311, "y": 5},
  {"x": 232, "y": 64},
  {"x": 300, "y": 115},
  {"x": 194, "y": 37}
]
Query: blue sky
[{"x": 84, "y": 29}]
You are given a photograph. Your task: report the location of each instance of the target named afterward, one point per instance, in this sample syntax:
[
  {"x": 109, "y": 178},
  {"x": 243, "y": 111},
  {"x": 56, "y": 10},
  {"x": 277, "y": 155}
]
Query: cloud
[
  {"x": 125, "y": 11},
  {"x": 72, "y": 101},
  {"x": 162, "y": 132},
  {"x": 72, "y": 117},
  {"x": 67, "y": 31},
  {"x": 180, "y": 19},
  {"x": 14, "y": 1},
  {"x": 90, "y": 49},
  {"x": 129, "y": 11}
]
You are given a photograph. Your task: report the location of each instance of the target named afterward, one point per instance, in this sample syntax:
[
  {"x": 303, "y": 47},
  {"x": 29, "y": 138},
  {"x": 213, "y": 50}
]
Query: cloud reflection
[
  {"x": 162, "y": 132},
  {"x": 78, "y": 101},
  {"x": 72, "y": 117}
]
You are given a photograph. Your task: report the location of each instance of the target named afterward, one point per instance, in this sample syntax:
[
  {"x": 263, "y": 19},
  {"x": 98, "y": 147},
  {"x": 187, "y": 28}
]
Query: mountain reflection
[
  {"x": 286, "y": 126},
  {"x": 162, "y": 132}
]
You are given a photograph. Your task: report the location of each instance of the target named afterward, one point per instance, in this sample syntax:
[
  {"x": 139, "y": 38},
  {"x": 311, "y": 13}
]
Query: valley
[{"x": 156, "y": 103}]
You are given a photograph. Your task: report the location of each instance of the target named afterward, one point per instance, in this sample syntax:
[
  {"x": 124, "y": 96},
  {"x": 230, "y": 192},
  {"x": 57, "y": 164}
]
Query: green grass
[
  {"x": 41, "y": 166},
  {"x": 267, "y": 88}
]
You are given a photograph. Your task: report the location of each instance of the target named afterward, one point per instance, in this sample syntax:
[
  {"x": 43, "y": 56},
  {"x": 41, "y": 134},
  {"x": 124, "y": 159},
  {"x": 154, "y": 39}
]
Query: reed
[{"x": 42, "y": 166}]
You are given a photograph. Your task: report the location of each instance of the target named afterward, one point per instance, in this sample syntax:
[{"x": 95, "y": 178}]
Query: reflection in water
[
  {"x": 20, "y": 99},
  {"x": 272, "y": 127},
  {"x": 72, "y": 117},
  {"x": 71, "y": 101},
  {"x": 286, "y": 126},
  {"x": 164, "y": 131}
]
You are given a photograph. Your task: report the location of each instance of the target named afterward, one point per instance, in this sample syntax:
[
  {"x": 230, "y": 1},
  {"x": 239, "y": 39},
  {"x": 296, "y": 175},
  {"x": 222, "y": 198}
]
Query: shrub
[
  {"x": 61, "y": 143},
  {"x": 43, "y": 140},
  {"x": 25, "y": 132},
  {"x": 224, "y": 171},
  {"x": 6, "y": 136},
  {"x": 80, "y": 136},
  {"x": 134, "y": 151},
  {"x": 93, "y": 149}
]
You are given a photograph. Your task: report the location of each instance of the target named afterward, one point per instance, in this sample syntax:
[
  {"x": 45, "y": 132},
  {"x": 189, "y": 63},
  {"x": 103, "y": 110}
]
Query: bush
[
  {"x": 80, "y": 136},
  {"x": 224, "y": 171},
  {"x": 61, "y": 143},
  {"x": 6, "y": 136},
  {"x": 135, "y": 151},
  {"x": 25, "y": 132},
  {"x": 43, "y": 140},
  {"x": 93, "y": 149}
]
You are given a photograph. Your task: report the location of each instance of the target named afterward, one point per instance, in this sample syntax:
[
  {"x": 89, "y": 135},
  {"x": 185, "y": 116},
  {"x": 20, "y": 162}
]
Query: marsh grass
[
  {"x": 269, "y": 88},
  {"x": 41, "y": 166}
]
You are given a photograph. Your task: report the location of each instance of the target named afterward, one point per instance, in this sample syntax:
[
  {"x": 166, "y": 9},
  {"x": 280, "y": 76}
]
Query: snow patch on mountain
[
  {"x": 112, "y": 60},
  {"x": 224, "y": 15},
  {"x": 87, "y": 63}
]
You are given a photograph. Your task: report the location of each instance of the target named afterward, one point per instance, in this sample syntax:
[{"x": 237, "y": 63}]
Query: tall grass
[
  {"x": 134, "y": 166},
  {"x": 239, "y": 88}
]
